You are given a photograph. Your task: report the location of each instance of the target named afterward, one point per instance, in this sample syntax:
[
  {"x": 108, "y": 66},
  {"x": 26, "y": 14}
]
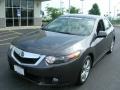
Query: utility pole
[
  {"x": 116, "y": 9},
  {"x": 61, "y": 6},
  {"x": 82, "y": 5},
  {"x": 109, "y": 8},
  {"x": 69, "y": 6}
]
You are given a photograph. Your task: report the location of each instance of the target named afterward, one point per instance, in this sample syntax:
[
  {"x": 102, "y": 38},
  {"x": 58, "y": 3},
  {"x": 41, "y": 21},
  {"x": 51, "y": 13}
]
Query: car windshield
[{"x": 70, "y": 25}]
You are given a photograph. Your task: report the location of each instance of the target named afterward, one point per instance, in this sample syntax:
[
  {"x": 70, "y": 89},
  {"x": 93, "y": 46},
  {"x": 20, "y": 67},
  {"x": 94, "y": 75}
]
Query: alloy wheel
[{"x": 86, "y": 69}]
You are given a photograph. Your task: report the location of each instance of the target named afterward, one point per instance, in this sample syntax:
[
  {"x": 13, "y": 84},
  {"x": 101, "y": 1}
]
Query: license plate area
[{"x": 19, "y": 70}]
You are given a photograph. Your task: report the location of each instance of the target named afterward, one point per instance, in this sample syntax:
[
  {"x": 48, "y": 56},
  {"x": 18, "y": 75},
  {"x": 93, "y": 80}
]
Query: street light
[
  {"x": 61, "y": 6},
  {"x": 115, "y": 9},
  {"x": 109, "y": 7},
  {"x": 82, "y": 5},
  {"x": 69, "y": 6}
]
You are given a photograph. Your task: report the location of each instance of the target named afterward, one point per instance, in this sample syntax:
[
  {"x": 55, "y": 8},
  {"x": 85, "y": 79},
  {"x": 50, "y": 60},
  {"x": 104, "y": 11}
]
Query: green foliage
[
  {"x": 94, "y": 10},
  {"x": 73, "y": 10},
  {"x": 53, "y": 13},
  {"x": 116, "y": 22}
]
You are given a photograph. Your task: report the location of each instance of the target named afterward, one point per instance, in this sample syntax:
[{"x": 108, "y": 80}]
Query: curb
[{"x": 116, "y": 25}]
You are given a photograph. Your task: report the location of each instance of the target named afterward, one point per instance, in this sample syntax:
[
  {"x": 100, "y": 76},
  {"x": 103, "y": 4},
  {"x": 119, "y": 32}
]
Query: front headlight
[
  {"x": 11, "y": 47},
  {"x": 62, "y": 59}
]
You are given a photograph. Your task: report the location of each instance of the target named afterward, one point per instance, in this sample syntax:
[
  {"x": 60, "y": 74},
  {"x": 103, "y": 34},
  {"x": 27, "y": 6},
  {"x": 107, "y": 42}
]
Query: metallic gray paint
[{"x": 58, "y": 44}]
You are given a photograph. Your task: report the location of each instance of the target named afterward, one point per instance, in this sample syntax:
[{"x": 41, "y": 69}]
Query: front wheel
[{"x": 86, "y": 67}]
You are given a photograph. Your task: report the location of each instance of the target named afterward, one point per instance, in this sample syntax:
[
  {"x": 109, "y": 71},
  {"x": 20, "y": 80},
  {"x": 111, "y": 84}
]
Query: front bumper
[{"x": 59, "y": 75}]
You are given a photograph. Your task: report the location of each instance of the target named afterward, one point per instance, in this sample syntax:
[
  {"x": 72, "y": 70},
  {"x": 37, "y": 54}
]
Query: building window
[
  {"x": 19, "y": 12},
  {"x": 24, "y": 4},
  {"x": 16, "y": 3},
  {"x": 9, "y": 13},
  {"x": 30, "y": 22},
  {"x": 23, "y": 13},
  {"x": 30, "y": 4},
  {"x": 16, "y": 11},
  {"x": 30, "y": 13},
  {"x": 8, "y": 3},
  {"x": 23, "y": 22},
  {"x": 9, "y": 22},
  {"x": 16, "y": 22}
]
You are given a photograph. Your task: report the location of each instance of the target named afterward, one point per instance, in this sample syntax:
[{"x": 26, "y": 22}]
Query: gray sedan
[{"x": 64, "y": 51}]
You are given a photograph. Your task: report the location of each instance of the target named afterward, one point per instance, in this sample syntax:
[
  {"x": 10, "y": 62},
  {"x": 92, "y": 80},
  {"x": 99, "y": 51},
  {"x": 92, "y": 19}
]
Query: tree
[
  {"x": 94, "y": 10},
  {"x": 73, "y": 10},
  {"x": 53, "y": 12}
]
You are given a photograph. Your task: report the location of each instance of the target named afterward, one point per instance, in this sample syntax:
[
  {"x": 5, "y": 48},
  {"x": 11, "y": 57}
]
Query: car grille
[{"x": 25, "y": 60}]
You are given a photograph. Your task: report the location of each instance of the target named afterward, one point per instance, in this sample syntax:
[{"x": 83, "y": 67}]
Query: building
[{"x": 20, "y": 13}]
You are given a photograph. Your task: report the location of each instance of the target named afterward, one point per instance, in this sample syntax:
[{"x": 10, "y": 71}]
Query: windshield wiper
[
  {"x": 72, "y": 33},
  {"x": 67, "y": 33},
  {"x": 43, "y": 28},
  {"x": 46, "y": 29}
]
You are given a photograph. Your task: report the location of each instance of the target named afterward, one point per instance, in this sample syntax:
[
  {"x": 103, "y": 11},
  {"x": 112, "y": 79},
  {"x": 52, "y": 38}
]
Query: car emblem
[{"x": 22, "y": 54}]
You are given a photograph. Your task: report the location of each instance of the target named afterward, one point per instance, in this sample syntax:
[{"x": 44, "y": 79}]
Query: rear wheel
[{"x": 86, "y": 67}]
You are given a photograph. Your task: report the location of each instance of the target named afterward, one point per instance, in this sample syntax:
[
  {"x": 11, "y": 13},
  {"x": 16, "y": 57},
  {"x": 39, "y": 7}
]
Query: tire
[
  {"x": 111, "y": 47},
  {"x": 85, "y": 70}
]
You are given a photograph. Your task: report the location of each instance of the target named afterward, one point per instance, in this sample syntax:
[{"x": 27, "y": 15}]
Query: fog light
[
  {"x": 50, "y": 59},
  {"x": 55, "y": 79}
]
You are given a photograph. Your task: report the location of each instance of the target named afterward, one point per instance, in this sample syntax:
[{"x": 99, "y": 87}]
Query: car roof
[{"x": 83, "y": 16}]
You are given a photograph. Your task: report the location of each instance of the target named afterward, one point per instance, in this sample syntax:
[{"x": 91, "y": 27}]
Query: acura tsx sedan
[{"x": 64, "y": 51}]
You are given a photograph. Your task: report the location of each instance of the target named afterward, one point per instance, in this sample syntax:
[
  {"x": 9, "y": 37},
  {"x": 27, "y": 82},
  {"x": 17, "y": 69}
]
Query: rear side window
[{"x": 107, "y": 24}]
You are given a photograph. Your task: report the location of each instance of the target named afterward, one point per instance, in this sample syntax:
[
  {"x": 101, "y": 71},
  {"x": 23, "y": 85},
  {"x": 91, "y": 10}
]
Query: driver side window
[
  {"x": 107, "y": 24},
  {"x": 100, "y": 26}
]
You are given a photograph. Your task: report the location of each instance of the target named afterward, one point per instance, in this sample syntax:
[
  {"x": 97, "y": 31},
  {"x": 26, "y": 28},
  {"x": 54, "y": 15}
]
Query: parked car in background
[{"x": 64, "y": 51}]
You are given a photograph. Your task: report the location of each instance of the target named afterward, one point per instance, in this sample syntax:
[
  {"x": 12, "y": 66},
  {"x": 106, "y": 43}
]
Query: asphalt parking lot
[{"x": 104, "y": 76}]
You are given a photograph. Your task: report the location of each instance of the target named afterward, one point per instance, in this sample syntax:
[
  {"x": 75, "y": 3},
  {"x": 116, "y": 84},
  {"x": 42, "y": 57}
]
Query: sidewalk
[{"x": 20, "y": 28}]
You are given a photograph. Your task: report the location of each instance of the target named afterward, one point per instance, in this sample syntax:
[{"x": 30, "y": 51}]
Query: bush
[{"x": 115, "y": 21}]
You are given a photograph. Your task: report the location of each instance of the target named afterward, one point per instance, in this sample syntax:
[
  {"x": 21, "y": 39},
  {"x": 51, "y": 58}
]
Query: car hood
[{"x": 45, "y": 42}]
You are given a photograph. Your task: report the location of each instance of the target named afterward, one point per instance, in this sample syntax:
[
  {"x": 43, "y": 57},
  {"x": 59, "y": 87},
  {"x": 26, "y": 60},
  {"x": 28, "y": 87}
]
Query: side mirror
[
  {"x": 102, "y": 34},
  {"x": 43, "y": 25}
]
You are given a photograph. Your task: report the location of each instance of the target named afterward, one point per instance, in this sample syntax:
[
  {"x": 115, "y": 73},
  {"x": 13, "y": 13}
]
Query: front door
[{"x": 100, "y": 42}]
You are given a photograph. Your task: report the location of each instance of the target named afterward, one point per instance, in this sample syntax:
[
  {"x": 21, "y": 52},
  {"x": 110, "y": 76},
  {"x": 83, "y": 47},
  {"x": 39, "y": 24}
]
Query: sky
[{"x": 87, "y": 5}]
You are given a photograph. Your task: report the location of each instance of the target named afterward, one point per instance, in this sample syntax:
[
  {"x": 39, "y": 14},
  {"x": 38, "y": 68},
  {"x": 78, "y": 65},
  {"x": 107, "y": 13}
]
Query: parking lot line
[
  {"x": 7, "y": 35},
  {"x": 16, "y": 32},
  {"x": 8, "y": 38},
  {"x": 4, "y": 44},
  {"x": 4, "y": 32},
  {"x": 11, "y": 35}
]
